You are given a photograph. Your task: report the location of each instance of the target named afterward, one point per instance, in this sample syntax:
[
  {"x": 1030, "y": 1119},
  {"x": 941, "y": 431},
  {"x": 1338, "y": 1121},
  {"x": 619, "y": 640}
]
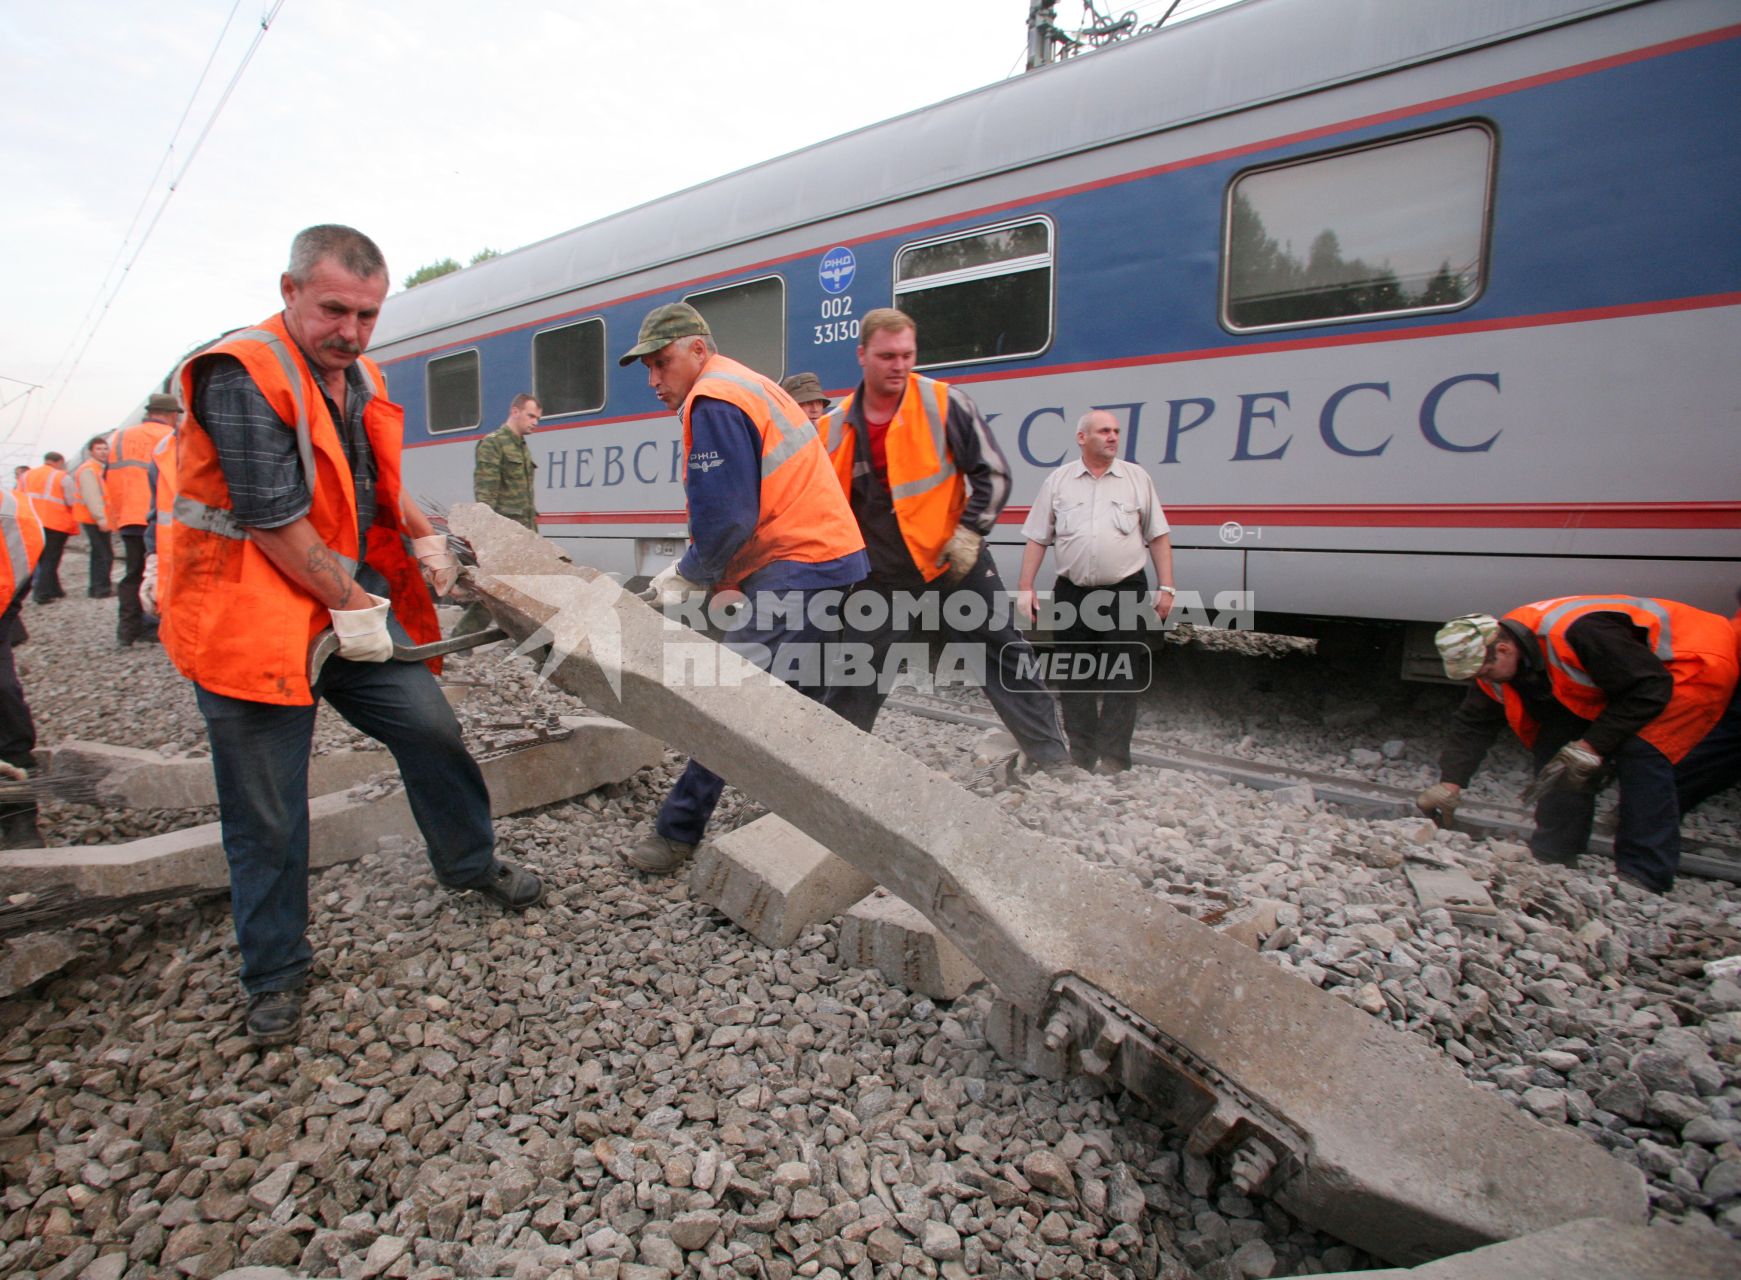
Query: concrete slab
[
  {"x": 134, "y": 779},
  {"x": 1020, "y": 1041},
  {"x": 1353, "y": 1126},
  {"x": 26, "y": 961},
  {"x": 1594, "y": 1249},
  {"x": 1452, "y": 888},
  {"x": 883, "y": 933},
  {"x": 87, "y": 880},
  {"x": 773, "y": 881}
]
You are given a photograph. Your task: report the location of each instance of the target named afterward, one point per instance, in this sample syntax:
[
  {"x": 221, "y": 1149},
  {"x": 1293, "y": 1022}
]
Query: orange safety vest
[
  {"x": 1698, "y": 648},
  {"x": 51, "y": 494},
  {"x": 803, "y": 516},
  {"x": 21, "y": 532},
  {"x": 82, "y": 513},
  {"x": 926, "y": 490},
  {"x": 163, "y": 458},
  {"x": 126, "y": 484},
  {"x": 233, "y": 623}
]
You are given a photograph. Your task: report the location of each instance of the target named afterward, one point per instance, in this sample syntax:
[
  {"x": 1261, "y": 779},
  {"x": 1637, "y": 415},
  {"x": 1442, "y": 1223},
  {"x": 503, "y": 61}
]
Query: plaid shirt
[{"x": 257, "y": 449}]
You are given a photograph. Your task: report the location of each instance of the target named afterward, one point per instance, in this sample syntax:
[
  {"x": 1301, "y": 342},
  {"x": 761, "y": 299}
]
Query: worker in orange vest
[
  {"x": 289, "y": 522},
  {"x": 1640, "y": 689},
  {"x": 127, "y": 489},
  {"x": 91, "y": 510},
  {"x": 927, "y": 481},
  {"x": 21, "y": 542},
  {"x": 50, "y": 490},
  {"x": 763, "y": 520}
]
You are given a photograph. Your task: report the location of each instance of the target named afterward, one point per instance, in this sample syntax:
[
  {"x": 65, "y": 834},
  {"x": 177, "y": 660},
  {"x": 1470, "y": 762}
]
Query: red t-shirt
[{"x": 877, "y": 434}]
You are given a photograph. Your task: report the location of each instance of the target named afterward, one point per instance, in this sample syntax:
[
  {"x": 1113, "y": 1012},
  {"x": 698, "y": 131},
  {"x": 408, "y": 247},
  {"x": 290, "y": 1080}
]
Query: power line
[{"x": 174, "y": 183}]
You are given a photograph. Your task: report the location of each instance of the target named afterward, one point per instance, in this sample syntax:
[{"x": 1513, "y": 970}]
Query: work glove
[
  {"x": 961, "y": 553},
  {"x": 436, "y": 559},
  {"x": 1574, "y": 767},
  {"x": 148, "y": 585},
  {"x": 670, "y": 587},
  {"x": 362, "y": 633},
  {"x": 1439, "y": 802}
]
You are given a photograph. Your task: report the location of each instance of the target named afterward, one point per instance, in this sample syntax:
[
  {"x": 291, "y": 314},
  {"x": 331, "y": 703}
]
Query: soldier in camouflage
[{"x": 502, "y": 480}]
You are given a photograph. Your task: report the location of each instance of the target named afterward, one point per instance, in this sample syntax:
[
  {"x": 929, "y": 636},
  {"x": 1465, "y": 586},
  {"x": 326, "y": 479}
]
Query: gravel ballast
[{"x": 621, "y": 1083}]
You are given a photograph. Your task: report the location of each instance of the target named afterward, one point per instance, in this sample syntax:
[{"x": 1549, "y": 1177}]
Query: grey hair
[
  {"x": 1082, "y": 422},
  {"x": 347, "y": 246}
]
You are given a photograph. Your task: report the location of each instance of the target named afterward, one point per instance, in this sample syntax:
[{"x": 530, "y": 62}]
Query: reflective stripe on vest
[
  {"x": 791, "y": 439},
  {"x": 292, "y": 376},
  {"x": 939, "y": 445},
  {"x": 17, "y": 555},
  {"x": 1544, "y": 628},
  {"x": 190, "y": 513}
]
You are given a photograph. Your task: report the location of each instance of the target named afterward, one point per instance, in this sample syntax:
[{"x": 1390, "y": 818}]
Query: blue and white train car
[{"x": 1409, "y": 308}]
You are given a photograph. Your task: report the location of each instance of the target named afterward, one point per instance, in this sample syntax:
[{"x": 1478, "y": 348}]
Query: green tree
[
  {"x": 483, "y": 255},
  {"x": 425, "y": 274}
]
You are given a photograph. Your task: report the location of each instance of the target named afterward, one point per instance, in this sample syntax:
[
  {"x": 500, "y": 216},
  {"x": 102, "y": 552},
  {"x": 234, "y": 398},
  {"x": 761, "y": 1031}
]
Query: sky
[{"x": 439, "y": 127}]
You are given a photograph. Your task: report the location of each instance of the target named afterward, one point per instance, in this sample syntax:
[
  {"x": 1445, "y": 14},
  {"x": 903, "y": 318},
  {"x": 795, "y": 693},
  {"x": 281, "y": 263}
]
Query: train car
[{"x": 1409, "y": 309}]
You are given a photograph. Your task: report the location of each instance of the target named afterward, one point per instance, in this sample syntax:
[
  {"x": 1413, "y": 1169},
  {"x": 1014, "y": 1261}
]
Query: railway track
[{"x": 1711, "y": 860}]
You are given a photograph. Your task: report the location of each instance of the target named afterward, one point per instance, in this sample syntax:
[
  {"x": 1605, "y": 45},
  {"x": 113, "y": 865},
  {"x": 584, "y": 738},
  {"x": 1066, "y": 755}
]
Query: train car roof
[{"x": 1228, "y": 60}]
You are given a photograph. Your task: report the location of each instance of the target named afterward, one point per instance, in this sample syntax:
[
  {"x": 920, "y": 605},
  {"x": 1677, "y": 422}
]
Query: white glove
[
  {"x": 961, "y": 553},
  {"x": 362, "y": 633},
  {"x": 439, "y": 565},
  {"x": 670, "y": 587},
  {"x": 148, "y": 585},
  {"x": 1574, "y": 767}
]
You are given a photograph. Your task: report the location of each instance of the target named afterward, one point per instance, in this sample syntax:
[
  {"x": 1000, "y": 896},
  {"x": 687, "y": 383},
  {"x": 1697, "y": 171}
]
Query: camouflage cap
[
  {"x": 160, "y": 403},
  {"x": 663, "y": 326},
  {"x": 805, "y": 387},
  {"x": 1463, "y": 643}
]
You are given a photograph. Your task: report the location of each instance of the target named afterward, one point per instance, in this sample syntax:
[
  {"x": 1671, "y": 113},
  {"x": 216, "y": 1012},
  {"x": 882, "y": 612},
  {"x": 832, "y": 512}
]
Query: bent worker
[
  {"x": 765, "y": 519},
  {"x": 1626, "y": 686},
  {"x": 927, "y": 481},
  {"x": 288, "y": 520}
]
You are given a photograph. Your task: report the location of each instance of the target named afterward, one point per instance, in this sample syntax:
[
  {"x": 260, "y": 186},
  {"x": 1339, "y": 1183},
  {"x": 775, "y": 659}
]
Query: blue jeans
[
  {"x": 692, "y": 799},
  {"x": 1647, "y": 832},
  {"x": 260, "y": 756}
]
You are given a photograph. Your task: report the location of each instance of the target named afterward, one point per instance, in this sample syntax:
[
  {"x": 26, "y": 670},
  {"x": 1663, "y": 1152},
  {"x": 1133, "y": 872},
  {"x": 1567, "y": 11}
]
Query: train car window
[
  {"x": 455, "y": 400},
  {"x": 568, "y": 368},
  {"x": 1399, "y": 228},
  {"x": 748, "y": 322},
  {"x": 979, "y": 295}
]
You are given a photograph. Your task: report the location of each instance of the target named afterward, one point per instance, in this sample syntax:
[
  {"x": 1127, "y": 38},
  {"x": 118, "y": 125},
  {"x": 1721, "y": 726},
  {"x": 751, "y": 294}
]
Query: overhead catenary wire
[{"x": 113, "y": 291}]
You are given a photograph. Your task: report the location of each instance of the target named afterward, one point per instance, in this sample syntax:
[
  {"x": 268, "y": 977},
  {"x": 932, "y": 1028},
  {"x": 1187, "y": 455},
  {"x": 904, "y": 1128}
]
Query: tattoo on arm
[{"x": 324, "y": 567}]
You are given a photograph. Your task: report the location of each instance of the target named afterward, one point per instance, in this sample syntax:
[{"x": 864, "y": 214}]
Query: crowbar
[{"x": 327, "y": 643}]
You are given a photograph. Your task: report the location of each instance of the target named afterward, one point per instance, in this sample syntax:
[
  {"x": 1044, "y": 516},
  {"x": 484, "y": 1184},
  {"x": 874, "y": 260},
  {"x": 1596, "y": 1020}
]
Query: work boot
[
  {"x": 510, "y": 887},
  {"x": 274, "y": 1017},
  {"x": 656, "y": 855}
]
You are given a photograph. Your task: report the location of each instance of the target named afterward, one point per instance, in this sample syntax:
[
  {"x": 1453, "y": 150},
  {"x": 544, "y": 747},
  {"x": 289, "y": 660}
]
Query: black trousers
[
  {"x": 1099, "y": 718},
  {"x": 48, "y": 567},
  {"x": 102, "y": 562},
  {"x": 1021, "y": 701},
  {"x": 130, "y": 624},
  {"x": 17, "y": 729}
]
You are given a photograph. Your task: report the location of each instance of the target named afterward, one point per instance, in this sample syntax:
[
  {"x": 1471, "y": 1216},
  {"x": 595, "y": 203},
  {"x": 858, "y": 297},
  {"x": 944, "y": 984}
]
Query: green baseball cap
[
  {"x": 663, "y": 326},
  {"x": 805, "y": 387},
  {"x": 1463, "y": 643}
]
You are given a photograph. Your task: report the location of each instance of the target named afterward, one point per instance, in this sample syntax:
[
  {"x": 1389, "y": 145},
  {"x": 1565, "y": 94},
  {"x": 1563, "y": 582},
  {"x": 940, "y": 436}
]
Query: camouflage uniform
[
  {"x": 502, "y": 478},
  {"x": 502, "y": 481}
]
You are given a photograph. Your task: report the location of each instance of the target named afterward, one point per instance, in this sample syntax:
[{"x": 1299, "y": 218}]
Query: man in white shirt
[{"x": 1103, "y": 516}]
